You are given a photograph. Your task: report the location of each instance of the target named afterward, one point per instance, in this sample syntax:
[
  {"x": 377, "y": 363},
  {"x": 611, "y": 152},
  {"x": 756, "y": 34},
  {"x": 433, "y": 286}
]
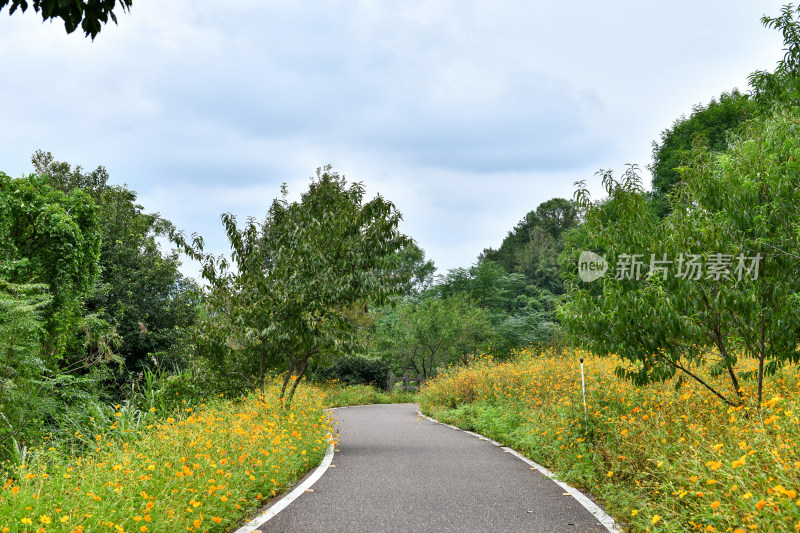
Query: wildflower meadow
[
  {"x": 659, "y": 458},
  {"x": 205, "y": 470}
]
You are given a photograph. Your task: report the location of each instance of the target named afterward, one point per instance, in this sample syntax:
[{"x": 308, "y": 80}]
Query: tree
[
  {"x": 410, "y": 262},
  {"x": 712, "y": 124},
  {"x": 139, "y": 288},
  {"x": 520, "y": 312},
  {"x": 300, "y": 271},
  {"x": 736, "y": 211},
  {"x": 51, "y": 238},
  {"x": 90, "y": 15},
  {"x": 21, "y": 364},
  {"x": 732, "y": 204},
  {"x": 427, "y": 333},
  {"x": 532, "y": 247}
]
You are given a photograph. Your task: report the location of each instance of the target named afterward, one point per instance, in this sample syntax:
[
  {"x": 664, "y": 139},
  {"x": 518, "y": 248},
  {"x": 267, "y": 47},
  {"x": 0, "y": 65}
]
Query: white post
[{"x": 583, "y": 386}]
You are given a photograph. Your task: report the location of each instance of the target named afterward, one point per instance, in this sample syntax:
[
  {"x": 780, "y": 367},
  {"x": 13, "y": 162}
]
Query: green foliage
[
  {"x": 733, "y": 206},
  {"x": 532, "y": 247},
  {"x": 520, "y": 313},
  {"x": 140, "y": 290},
  {"x": 90, "y": 15},
  {"x": 427, "y": 333},
  {"x": 410, "y": 263},
  {"x": 300, "y": 273},
  {"x": 357, "y": 369},
  {"x": 782, "y": 87},
  {"x": 21, "y": 335},
  {"x": 337, "y": 395},
  {"x": 49, "y": 237},
  {"x": 711, "y": 124}
]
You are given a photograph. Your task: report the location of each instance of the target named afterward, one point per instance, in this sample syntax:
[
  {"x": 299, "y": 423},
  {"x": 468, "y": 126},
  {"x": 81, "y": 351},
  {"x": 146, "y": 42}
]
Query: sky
[{"x": 466, "y": 114}]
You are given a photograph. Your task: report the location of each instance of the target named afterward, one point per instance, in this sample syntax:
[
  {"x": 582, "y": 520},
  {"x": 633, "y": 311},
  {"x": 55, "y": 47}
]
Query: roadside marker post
[{"x": 583, "y": 387}]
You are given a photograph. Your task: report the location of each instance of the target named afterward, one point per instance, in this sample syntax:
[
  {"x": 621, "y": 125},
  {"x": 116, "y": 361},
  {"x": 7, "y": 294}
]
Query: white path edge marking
[
  {"x": 284, "y": 502},
  {"x": 590, "y": 506}
]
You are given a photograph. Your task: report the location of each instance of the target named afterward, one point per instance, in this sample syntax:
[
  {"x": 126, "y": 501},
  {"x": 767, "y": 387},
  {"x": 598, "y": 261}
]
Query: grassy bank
[
  {"x": 203, "y": 471},
  {"x": 660, "y": 459}
]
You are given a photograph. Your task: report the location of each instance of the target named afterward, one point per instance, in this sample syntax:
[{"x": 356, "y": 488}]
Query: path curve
[{"x": 395, "y": 470}]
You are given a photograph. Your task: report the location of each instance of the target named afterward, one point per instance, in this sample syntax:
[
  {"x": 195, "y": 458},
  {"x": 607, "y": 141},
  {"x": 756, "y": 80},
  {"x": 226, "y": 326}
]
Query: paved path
[{"x": 397, "y": 471}]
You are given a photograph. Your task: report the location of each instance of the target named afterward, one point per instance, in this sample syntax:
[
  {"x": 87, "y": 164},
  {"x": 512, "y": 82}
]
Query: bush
[{"x": 357, "y": 369}]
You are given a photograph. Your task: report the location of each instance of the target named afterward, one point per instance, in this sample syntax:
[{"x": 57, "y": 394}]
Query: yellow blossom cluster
[
  {"x": 661, "y": 458},
  {"x": 201, "y": 471}
]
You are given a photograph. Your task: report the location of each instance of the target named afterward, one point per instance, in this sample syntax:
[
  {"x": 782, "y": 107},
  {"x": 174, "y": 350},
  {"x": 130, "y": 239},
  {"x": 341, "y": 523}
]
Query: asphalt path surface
[{"x": 396, "y": 471}]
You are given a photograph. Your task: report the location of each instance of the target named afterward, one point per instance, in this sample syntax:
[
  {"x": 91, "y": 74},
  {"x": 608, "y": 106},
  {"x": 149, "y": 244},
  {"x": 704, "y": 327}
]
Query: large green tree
[
  {"x": 139, "y": 290},
  {"x": 52, "y": 349},
  {"x": 52, "y": 238},
  {"x": 299, "y": 273},
  {"x": 532, "y": 246},
  {"x": 90, "y": 15},
  {"x": 718, "y": 271}
]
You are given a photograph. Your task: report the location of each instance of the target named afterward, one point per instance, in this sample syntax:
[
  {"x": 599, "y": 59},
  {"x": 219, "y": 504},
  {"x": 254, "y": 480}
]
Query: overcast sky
[{"x": 466, "y": 114}]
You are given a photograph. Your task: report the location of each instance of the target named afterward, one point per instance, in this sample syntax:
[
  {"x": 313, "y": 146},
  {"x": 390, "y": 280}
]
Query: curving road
[{"x": 396, "y": 471}]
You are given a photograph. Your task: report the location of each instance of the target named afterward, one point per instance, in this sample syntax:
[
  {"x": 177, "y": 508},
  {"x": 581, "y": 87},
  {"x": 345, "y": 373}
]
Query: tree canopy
[
  {"x": 302, "y": 269},
  {"x": 711, "y": 124},
  {"x": 90, "y": 15}
]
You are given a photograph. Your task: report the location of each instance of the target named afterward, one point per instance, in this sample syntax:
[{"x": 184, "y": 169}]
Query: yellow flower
[
  {"x": 656, "y": 519},
  {"x": 634, "y": 512},
  {"x": 44, "y": 519}
]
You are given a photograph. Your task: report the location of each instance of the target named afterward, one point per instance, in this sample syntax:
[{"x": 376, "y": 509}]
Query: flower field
[
  {"x": 204, "y": 471},
  {"x": 658, "y": 458}
]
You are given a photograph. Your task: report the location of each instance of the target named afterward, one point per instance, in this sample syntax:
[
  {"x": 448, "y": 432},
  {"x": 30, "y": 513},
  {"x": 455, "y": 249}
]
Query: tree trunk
[
  {"x": 286, "y": 379},
  {"x": 731, "y": 372},
  {"x": 300, "y": 364},
  {"x": 297, "y": 381}
]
